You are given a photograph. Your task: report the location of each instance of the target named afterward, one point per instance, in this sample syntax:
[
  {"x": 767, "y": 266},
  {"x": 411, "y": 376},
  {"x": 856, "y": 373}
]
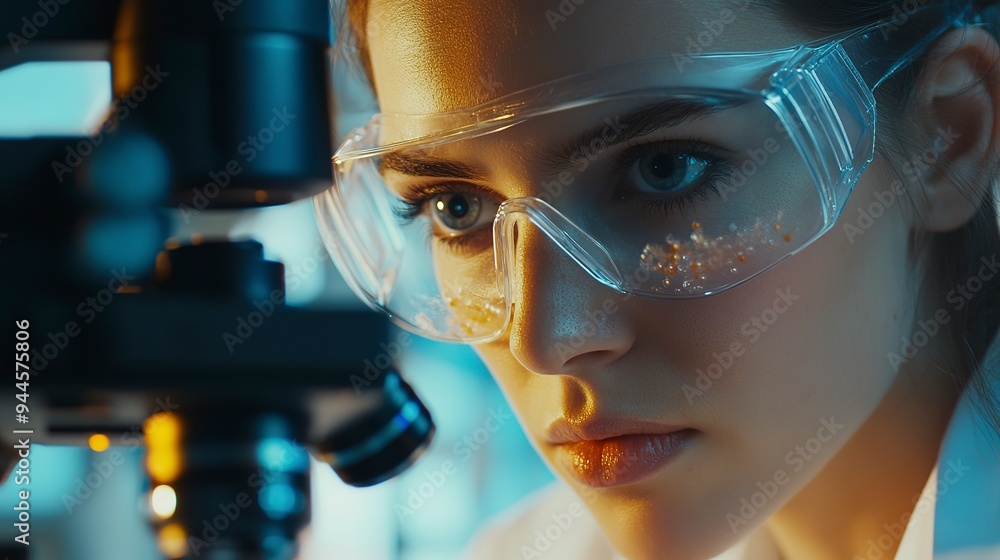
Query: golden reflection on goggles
[{"x": 688, "y": 265}]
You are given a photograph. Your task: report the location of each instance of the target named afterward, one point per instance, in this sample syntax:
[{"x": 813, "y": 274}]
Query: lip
[
  {"x": 600, "y": 428},
  {"x": 601, "y": 453}
]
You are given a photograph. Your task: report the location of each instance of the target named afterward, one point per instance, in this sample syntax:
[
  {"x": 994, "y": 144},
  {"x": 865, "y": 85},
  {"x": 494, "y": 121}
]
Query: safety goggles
[{"x": 677, "y": 177}]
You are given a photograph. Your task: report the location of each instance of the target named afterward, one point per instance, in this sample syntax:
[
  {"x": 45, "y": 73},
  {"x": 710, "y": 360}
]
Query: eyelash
[
  {"x": 706, "y": 188},
  {"x": 415, "y": 201}
]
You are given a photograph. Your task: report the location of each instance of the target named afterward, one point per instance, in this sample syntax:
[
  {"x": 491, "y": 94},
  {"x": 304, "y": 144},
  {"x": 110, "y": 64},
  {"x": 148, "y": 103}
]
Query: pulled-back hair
[{"x": 955, "y": 256}]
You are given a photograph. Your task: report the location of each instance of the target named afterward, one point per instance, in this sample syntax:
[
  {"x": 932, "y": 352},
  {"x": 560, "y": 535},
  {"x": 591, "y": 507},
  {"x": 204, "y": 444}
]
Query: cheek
[
  {"x": 535, "y": 399},
  {"x": 515, "y": 382},
  {"x": 815, "y": 332},
  {"x": 762, "y": 370}
]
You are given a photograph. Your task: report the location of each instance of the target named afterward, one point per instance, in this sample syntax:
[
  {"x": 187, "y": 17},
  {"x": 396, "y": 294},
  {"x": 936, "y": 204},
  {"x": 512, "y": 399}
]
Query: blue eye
[
  {"x": 459, "y": 212},
  {"x": 665, "y": 176},
  {"x": 666, "y": 172}
]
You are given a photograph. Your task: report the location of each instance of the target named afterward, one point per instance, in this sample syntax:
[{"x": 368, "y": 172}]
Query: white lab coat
[{"x": 960, "y": 522}]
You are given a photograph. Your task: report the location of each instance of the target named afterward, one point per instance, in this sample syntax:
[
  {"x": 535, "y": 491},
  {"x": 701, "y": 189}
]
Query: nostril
[{"x": 590, "y": 360}]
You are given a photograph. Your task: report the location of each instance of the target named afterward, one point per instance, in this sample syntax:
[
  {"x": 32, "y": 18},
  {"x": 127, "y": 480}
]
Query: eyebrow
[
  {"x": 429, "y": 167},
  {"x": 642, "y": 121},
  {"x": 632, "y": 125}
]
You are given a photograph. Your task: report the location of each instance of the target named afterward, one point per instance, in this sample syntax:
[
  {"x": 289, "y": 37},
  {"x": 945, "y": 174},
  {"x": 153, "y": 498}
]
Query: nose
[{"x": 564, "y": 321}]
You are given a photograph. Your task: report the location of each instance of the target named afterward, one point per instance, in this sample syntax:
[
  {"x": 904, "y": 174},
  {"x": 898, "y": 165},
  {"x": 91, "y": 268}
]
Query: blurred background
[{"x": 98, "y": 498}]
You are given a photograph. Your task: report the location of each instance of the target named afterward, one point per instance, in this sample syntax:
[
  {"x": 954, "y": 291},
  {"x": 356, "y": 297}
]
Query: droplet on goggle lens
[
  {"x": 689, "y": 265},
  {"x": 465, "y": 312}
]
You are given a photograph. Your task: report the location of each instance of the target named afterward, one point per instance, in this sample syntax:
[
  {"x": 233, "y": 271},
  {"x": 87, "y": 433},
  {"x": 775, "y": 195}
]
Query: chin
[{"x": 640, "y": 530}]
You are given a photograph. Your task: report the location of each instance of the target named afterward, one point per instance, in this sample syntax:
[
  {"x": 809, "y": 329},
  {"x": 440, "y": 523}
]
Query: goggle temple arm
[
  {"x": 826, "y": 102},
  {"x": 829, "y": 114}
]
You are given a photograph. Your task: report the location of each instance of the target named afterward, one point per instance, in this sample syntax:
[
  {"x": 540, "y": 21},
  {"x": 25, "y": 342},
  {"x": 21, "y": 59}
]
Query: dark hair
[{"x": 957, "y": 253}]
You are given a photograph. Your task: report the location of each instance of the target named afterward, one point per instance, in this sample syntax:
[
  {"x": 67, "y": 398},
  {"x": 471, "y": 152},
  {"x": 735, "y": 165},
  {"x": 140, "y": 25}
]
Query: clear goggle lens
[
  {"x": 707, "y": 171},
  {"x": 659, "y": 194}
]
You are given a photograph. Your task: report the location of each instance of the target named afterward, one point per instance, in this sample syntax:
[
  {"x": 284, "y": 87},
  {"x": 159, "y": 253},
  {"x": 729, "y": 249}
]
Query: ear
[{"x": 958, "y": 112}]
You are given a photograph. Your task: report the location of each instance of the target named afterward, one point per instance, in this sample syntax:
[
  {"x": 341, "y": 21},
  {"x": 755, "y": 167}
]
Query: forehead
[{"x": 430, "y": 56}]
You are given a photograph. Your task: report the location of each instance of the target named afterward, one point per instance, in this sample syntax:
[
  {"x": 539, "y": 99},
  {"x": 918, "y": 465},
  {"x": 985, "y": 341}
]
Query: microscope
[{"x": 217, "y": 104}]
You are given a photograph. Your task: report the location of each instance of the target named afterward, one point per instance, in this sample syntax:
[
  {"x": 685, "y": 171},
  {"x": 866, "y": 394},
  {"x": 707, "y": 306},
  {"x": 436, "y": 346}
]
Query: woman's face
[{"x": 768, "y": 380}]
